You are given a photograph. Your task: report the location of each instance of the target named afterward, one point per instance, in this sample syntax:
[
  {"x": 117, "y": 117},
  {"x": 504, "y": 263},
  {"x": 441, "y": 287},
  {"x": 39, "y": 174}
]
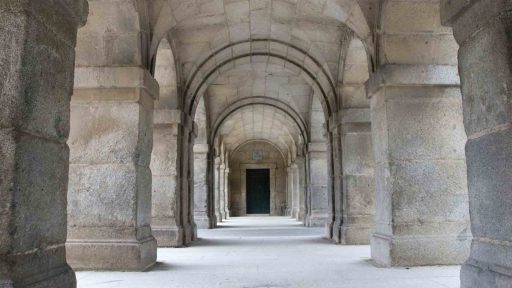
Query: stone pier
[
  {"x": 482, "y": 28},
  {"x": 317, "y": 215},
  {"x": 358, "y": 211},
  {"x": 421, "y": 188},
  {"x": 37, "y": 52},
  {"x": 109, "y": 200}
]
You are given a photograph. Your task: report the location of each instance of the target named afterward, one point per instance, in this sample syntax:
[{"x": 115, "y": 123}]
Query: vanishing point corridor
[{"x": 269, "y": 252}]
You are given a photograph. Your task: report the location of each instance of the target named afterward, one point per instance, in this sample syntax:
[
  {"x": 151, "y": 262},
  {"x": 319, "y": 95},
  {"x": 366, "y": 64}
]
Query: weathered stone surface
[
  {"x": 166, "y": 219},
  {"x": 421, "y": 189},
  {"x": 201, "y": 199},
  {"x": 318, "y": 186},
  {"x": 36, "y": 68},
  {"x": 109, "y": 212},
  {"x": 483, "y": 28}
]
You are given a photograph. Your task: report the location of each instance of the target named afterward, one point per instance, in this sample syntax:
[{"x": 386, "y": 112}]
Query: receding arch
[
  {"x": 260, "y": 101},
  {"x": 329, "y": 99}
]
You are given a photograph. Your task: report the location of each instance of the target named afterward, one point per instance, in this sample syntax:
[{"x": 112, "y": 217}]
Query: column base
[
  {"x": 329, "y": 224},
  {"x": 294, "y": 213},
  {"x": 226, "y": 214},
  {"x": 336, "y": 231},
  {"x": 316, "y": 220},
  {"x": 63, "y": 277},
  {"x": 124, "y": 255},
  {"x": 391, "y": 251},
  {"x": 189, "y": 233},
  {"x": 356, "y": 235},
  {"x": 483, "y": 275},
  {"x": 218, "y": 218},
  {"x": 169, "y": 236},
  {"x": 202, "y": 222},
  {"x": 194, "y": 231}
]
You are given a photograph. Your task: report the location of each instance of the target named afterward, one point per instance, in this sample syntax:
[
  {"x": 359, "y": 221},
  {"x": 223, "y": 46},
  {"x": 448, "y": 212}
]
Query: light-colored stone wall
[{"x": 271, "y": 157}]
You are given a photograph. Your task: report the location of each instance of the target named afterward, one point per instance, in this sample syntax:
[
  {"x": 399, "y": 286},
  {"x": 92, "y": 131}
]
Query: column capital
[
  {"x": 393, "y": 75},
  {"x": 349, "y": 116},
  {"x": 175, "y": 117},
  {"x": 88, "y": 79},
  {"x": 317, "y": 147},
  {"x": 201, "y": 148}
]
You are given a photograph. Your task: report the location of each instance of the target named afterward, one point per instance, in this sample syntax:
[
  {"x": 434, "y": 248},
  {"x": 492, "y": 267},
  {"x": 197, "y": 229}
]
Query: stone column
[
  {"x": 318, "y": 185},
  {"x": 226, "y": 192},
  {"x": 167, "y": 223},
  {"x": 36, "y": 82},
  {"x": 201, "y": 200},
  {"x": 421, "y": 188},
  {"x": 109, "y": 211},
  {"x": 216, "y": 183},
  {"x": 358, "y": 212},
  {"x": 289, "y": 191},
  {"x": 335, "y": 184},
  {"x": 301, "y": 186},
  {"x": 482, "y": 28},
  {"x": 187, "y": 180},
  {"x": 222, "y": 198},
  {"x": 295, "y": 190}
]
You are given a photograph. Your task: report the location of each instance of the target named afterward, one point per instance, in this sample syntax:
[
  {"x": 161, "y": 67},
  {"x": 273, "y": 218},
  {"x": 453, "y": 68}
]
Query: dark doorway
[{"x": 258, "y": 191}]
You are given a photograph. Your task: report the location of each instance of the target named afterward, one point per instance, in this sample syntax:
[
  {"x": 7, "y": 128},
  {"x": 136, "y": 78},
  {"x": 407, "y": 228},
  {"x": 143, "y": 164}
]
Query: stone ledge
[
  {"x": 391, "y": 75},
  {"x": 115, "y": 78},
  {"x": 317, "y": 147},
  {"x": 174, "y": 117}
]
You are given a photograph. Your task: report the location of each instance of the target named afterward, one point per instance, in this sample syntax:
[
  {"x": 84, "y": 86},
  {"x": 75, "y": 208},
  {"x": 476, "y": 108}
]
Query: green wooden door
[{"x": 258, "y": 191}]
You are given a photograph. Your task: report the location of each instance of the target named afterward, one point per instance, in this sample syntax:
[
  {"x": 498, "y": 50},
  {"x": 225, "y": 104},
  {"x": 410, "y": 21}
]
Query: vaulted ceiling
[{"x": 290, "y": 51}]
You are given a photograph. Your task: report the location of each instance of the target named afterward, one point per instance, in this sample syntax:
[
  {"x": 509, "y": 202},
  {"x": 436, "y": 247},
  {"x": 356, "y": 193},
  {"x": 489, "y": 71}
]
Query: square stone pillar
[
  {"x": 201, "y": 199},
  {"x": 289, "y": 191},
  {"x": 358, "y": 203},
  {"x": 335, "y": 184},
  {"x": 222, "y": 197},
  {"x": 318, "y": 213},
  {"x": 167, "y": 222},
  {"x": 186, "y": 176},
  {"x": 294, "y": 177},
  {"x": 483, "y": 30},
  {"x": 226, "y": 193},
  {"x": 421, "y": 188},
  {"x": 301, "y": 176},
  {"x": 216, "y": 171},
  {"x": 37, "y": 52},
  {"x": 109, "y": 199}
]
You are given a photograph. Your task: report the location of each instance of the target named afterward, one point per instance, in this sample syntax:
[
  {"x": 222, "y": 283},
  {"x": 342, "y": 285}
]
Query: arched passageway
[{"x": 140, "y": 127}]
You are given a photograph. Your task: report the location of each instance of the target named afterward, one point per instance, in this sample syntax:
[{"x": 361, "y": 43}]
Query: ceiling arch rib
[
  {"x": 234, "y": 20},
  {"x": 326, "y": 90},
  {"x": 259, "y": 122},
  {"x": 298, "y": 121},
  {"x": 248, "y": 79}
]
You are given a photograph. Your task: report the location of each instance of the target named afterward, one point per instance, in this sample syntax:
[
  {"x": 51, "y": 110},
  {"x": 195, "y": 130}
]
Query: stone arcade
[{"x": 128, "y": 125}]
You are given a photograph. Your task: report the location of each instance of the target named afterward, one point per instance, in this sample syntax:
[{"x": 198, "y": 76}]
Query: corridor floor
[{"x": 269, "y": 252}]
